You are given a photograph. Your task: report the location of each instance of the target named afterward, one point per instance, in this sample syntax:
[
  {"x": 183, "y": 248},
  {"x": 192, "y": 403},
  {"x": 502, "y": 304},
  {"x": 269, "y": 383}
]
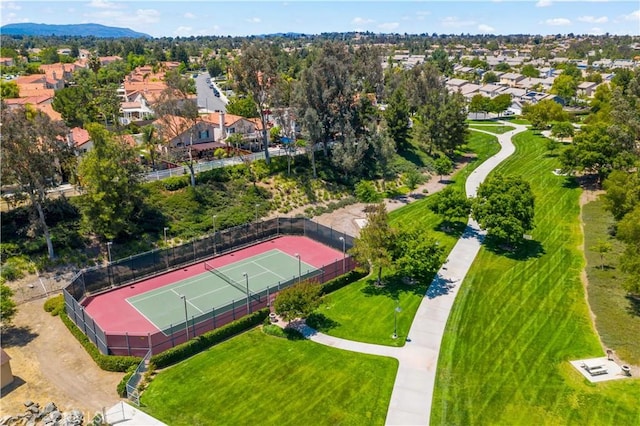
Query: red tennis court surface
[{"x": 114, "y": 314}]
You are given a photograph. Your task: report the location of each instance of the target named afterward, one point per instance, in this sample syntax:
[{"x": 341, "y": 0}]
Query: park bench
[{"x": 595, "y": 370}]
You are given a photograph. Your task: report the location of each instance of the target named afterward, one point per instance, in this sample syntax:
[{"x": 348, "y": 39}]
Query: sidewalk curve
[{"x": 412, "y": 393}]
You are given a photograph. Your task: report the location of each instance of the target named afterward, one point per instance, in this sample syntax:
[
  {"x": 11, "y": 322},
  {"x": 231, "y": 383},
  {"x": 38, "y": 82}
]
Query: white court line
[
  {"x": 268, "y": 271},
  {"x": 189, "y": 302},
  {"x": 191, "y": 281}
]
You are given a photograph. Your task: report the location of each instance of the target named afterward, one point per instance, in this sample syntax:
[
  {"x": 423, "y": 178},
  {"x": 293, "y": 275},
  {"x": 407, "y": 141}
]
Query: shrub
[
  {"x": 15, "y": 267},
  {"x": 55, "y": 305},
  {"x": 122, "y": 385},
  {"x": 105, "y": 362},
  {"x": 366, "y": 192},
  {"x": 205, "y": 341},
  {"x": 176, "y": 182},
  {"x": 341, "y": 281},
  {"x": 273, "y": 330}
]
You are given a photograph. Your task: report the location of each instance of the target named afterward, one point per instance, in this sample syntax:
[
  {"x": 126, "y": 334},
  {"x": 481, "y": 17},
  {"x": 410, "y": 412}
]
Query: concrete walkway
[{"x": 412, "y": 394}]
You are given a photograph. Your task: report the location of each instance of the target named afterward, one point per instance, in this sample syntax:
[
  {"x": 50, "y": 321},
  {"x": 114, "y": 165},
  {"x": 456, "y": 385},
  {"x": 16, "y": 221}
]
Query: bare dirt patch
[{"x": 50, "y": 365}]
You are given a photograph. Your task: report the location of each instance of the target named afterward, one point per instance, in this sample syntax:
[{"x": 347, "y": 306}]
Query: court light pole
[
  {"x": 109, "y": 250},
  {"x": 246, "y": 277},
  {"x": 257, "y": 205},
  {"x": 214, "y": 234},
  {"x": 299, "y": 267},
  {"x": 344, "y": 255},
  {"x": 186, "y": 316},
  {"x": 395, "y": 320},
  {"x": 166, "y": 228}
]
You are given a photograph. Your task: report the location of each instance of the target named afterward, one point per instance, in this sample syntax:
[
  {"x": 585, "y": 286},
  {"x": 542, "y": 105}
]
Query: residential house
[
  {"x": 41, "y": 103},
  {"x": 79, "y": 139},
  {"x": 511, "y": 79},
  {"x": 469, "y": 90},
  {"x": 454, "y": 84},
  {"x": 7, "y": 62},
  {"x": 587, "y": 88},
  {"x": 491, "y": 90},
  {"x": 37, "y": 85},
  {"x": 135, "y": 107},
  {"x": 528, "y": 83}
]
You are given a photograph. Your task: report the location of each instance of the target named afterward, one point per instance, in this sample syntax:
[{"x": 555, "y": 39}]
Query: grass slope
[
  {"x": 364, "y": 313},
  {"x": 520, "y": 318},
  {"x": 499, "y": 129},
  {"x": 259, "y": 379},
  {"x": 617, "y": 317}
]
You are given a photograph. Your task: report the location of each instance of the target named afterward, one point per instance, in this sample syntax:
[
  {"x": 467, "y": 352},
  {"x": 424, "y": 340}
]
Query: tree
[
  {"x": 502, "y": 67},
  {"x": 504, "y": 206},
  {"x": 7, "y": 306},
  {"x": 417, "y": 254},
  {"x": 565, "y": 86},
  {"x": 375, "y": 244},
  {"x": 298, "y": 301},
  {"x": 629, "y": 232},
  {"x": 622, "y": 192},
  {"x": 9, "y": 90},
  {"x": 451, "y": 203},
  {"x": 500, "y": 103},
  {"x": 562, "y": 129},
  {"x": 255, "y": 73},
  {"x": 33, "y": 151},
  {"x": 602, "y": 247},
  {"x": 397, "y": 116},
  {"x": 479, "y": 103},
  {"x": 490, "y": 77},
  {"x": 543, "y": 113},
  {"x": 242, "y": 106},
  {"x": 443, "y": 166},
  {"x": 413, "y": 178},
  {"x": 110, "y": 177},
  {"x": 530, "y": 71}
]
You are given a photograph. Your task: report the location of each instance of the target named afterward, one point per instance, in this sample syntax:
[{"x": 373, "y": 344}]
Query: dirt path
[{"x": 50, "y": 365}]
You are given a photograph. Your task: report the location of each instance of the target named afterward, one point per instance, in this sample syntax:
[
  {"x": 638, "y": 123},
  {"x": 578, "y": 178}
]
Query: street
[{"x": 206, "y": 99}]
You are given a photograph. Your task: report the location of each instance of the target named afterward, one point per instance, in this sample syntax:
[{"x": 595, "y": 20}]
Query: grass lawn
[
  {"x": 519, "y": 319},
  {"x": 498, "y": 129},
  {"x": 364, "y": 313},
  {"x": 259, "y": 379},
  {"x": 617, "y": 317}
]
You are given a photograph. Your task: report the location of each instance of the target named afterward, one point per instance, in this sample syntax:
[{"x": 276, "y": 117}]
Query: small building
[{"x": 6, "y": 375}]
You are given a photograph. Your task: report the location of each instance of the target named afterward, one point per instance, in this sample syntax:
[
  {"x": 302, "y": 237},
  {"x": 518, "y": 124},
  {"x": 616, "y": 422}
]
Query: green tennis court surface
[{"x": 208, "y": 293}]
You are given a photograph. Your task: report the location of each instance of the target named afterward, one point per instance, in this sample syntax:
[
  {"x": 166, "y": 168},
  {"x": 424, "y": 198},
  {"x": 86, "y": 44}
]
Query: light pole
[
  {"x": 165, "y": 235},
  {"x": 395, "y": 320},
  {"x": 109, "y": 250},
  {"x": 299, "y": 267},
  {"x": 214, "y": 234},
  {"x": 186, "y": 316},
  {"x": 344, "y": 255},
  {"x": 257, "y": 205},
  {"x": 246, "y": 277}
]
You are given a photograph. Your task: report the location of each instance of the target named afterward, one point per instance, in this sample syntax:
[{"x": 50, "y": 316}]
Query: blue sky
[{"x": 186, "y": 18}]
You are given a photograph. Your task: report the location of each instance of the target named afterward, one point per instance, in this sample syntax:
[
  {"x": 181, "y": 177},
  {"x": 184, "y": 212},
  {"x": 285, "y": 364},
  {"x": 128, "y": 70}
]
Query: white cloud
[
  {"x": 633, "y": 16},
  {"x": 484, "y": 28},
  {"x": 189, "y": 15},
  {"x": 10, "y": 5},
  {"x": 254, "y": 20},
  {"x": 388, "y": 26},
  {"x": 544, "y": 3},
  {"x": 361, "y": 21},
  {"x": 593, "y": 19},
  {"x": 183, "y": 31},
  {"x": 103, "y": 4},
  {"x": 455, "y": 22},
  {"x": 147, "y": 16},
  {"x": 557, "y": 22}
]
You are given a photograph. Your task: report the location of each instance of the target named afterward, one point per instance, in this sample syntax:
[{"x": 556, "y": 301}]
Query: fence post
[
  {"x": 149, "y": 340},
  {"x": 233, "y": 305},
  {"x": 171, "y": 328},
  {"x": 126, "y": 336},
  {"x": 193, "y": 325},
  {"x": 213, "y": 314}
]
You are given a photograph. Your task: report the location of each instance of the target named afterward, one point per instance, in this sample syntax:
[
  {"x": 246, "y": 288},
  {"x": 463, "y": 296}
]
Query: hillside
[{"x": 80, "y": 30}]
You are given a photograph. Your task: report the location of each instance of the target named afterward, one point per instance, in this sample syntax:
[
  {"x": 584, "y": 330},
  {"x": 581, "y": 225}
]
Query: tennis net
[{"x": 234, "y": 283}]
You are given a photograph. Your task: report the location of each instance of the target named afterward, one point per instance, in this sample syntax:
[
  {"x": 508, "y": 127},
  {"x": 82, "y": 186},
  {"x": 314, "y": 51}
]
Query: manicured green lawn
[
  {"x": 493, "y": 129},
  {"x": 617, "y": 317},
  {"x": 265, "y": 380},
  {"x": 519, "y": 318},
  {"x": 365, "y": 313}
]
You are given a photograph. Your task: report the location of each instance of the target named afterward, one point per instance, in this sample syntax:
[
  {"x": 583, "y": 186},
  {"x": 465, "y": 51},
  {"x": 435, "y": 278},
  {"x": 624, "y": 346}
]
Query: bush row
[
  {"x": 206, "y": 340},
  {"x": 343, "y": 280},
  {"x": 55, "y": 306},
  {"x": 122, "y": 385}
]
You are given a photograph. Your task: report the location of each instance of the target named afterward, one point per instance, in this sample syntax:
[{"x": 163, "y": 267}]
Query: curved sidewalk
[{"x": 412, "y": 393}]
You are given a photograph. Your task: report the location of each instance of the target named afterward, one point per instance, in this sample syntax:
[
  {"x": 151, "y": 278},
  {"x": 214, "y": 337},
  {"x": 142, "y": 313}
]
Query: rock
[
  {"x": 28, "y": 403},
  {"x": 55, "y": 415},
  {"x": 49, "y": 408}
]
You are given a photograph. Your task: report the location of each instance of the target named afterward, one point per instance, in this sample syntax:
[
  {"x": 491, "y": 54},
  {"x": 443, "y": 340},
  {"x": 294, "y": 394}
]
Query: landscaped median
[{"x": 521, "y": 316}]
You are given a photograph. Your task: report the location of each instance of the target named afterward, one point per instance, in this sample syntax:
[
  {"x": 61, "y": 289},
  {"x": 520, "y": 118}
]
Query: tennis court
[{"x": 218, "y": 289}]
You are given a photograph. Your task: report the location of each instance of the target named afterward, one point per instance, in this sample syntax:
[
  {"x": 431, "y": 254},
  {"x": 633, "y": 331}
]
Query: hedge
[
  {"x": 343, "y": 280},
  {"x": 122, "y": 385},
  {"x": 206, "y": 340},
  {"x": 54, "y": 305}
]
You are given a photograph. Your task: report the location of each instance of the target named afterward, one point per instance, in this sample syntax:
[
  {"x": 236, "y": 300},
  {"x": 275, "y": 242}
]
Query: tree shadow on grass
[
  {"x": 392, "y": 286},
  {"x": 454, "y": 228},
  {"x": 571, "y": 183},
  {"x": 527, "y": 249},
  {"x": 633, "y": 308},
  {"x": 321, "y": 322},
  {"x": 17, "y": 336}
]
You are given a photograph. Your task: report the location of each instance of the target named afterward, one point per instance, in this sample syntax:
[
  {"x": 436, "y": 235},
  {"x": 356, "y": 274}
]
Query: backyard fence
[{"x": 93, "y": 281}]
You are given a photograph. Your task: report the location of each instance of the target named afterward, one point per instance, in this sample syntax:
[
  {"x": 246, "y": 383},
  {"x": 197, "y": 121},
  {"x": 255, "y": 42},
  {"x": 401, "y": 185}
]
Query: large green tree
[
  {"x": 397, "y": 116},
  {"x": 243, "y": 106},
  {"x": 543, "y": 113},
  {"x": 34, "y": 150},
  {"x": 416, "y": 253},
  {"x": 7, "y": 306},
  {"x": 374, "y": 246},
  {"x": 298, "y": 301},
  {"x": 450, "y": 203},
  {"x": 504, "y": 207},
  {"x": 110, "y": 177}
]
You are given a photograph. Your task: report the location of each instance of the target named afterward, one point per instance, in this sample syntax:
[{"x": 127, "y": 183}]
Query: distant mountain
[{"x": 78, "y": 30}]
